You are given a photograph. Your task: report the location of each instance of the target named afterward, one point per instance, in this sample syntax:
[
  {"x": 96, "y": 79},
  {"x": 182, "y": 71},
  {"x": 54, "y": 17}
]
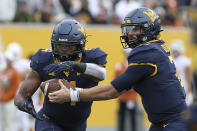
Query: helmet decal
[
  {"x": 150, "y": 15},
  {"x": 81, "y": 30}
]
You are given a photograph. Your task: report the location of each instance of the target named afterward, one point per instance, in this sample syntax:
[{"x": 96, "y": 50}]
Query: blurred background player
[
  {"x": 72, "y": 62},
  {"x": 128, "y": 101},
  {"x": 3, "y": 65},
  {"x": 183, "y": 67},
  {"x": 9, "y": 83},
  {"x": 14, "y": 52}
]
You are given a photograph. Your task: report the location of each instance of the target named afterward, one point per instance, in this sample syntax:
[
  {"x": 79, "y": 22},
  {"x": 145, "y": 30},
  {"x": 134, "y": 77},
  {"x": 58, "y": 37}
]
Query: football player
[
  {"x": 68, "y": 60},
  {"x": 151, "y": 72}
]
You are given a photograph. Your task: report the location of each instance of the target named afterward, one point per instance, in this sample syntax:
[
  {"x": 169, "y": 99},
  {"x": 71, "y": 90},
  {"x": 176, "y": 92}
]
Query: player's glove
[
  {"x": 29, "y": 108},
  {"x": 59, "y": 67}
]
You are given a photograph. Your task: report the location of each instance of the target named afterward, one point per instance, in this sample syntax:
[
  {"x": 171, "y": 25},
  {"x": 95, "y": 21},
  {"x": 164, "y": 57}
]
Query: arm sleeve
[{"x": 132, "y": 75}]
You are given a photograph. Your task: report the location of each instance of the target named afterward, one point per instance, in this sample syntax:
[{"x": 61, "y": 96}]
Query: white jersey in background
[
  {"x": 23, "y": 121},
  {"x": 181, "y": 64},
  {"x": 183, "y": 67}
]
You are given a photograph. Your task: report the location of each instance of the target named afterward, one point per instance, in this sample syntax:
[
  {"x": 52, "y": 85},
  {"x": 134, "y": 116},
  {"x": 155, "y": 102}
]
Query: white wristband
[
  {"x": 74, "y": 94},
  {"x": 46, "y": 88}
]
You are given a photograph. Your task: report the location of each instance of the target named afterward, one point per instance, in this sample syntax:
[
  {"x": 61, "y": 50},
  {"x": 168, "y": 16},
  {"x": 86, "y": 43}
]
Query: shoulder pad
[
  {"x": 151, "y": 53},
  {"x": 145, "y": 47},
  {"x": 42, "y": 56},
  {"x": 95, "y": 53},
  {"x": 139, "y": 49}
]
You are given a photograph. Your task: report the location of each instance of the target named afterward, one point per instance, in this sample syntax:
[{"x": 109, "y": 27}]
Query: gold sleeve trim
[{"x": 149, "y": 64}]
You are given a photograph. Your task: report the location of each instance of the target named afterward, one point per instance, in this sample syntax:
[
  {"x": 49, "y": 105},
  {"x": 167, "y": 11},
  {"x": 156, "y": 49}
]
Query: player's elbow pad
[{"x": 95, "y": 71}]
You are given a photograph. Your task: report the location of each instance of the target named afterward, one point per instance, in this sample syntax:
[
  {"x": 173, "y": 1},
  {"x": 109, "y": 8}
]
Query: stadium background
[{"x": 33, "y": 37}]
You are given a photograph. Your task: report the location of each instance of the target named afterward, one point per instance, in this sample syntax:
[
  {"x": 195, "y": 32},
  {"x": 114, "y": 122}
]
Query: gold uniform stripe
[
  {"x": 51, "y": 74},
  {"x": 46, "y": 50},
  {"x": 150, "y": 42},
  {"x": 45, "y": 116},
  {"x": 149, "y": 64}
]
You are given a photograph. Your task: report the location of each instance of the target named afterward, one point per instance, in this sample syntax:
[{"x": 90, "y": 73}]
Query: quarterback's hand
[
  {"x": 60, "y": 96},
  {"x": 29, "y": 108},
  {"x": 59, "y": 67}
]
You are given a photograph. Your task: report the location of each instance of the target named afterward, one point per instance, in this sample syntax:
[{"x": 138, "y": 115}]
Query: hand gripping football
[{"x": 53, "y": 85}]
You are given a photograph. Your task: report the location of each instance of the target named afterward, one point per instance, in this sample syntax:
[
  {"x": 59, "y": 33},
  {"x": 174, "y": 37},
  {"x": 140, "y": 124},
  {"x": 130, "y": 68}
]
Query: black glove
[
  {"x": 59, "y": 67},
  {"x": 29, "y": 108}
]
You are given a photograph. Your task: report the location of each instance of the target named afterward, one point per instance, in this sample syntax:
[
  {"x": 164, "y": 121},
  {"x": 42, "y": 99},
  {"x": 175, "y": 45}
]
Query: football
[{"x": 53, "y": 85}]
